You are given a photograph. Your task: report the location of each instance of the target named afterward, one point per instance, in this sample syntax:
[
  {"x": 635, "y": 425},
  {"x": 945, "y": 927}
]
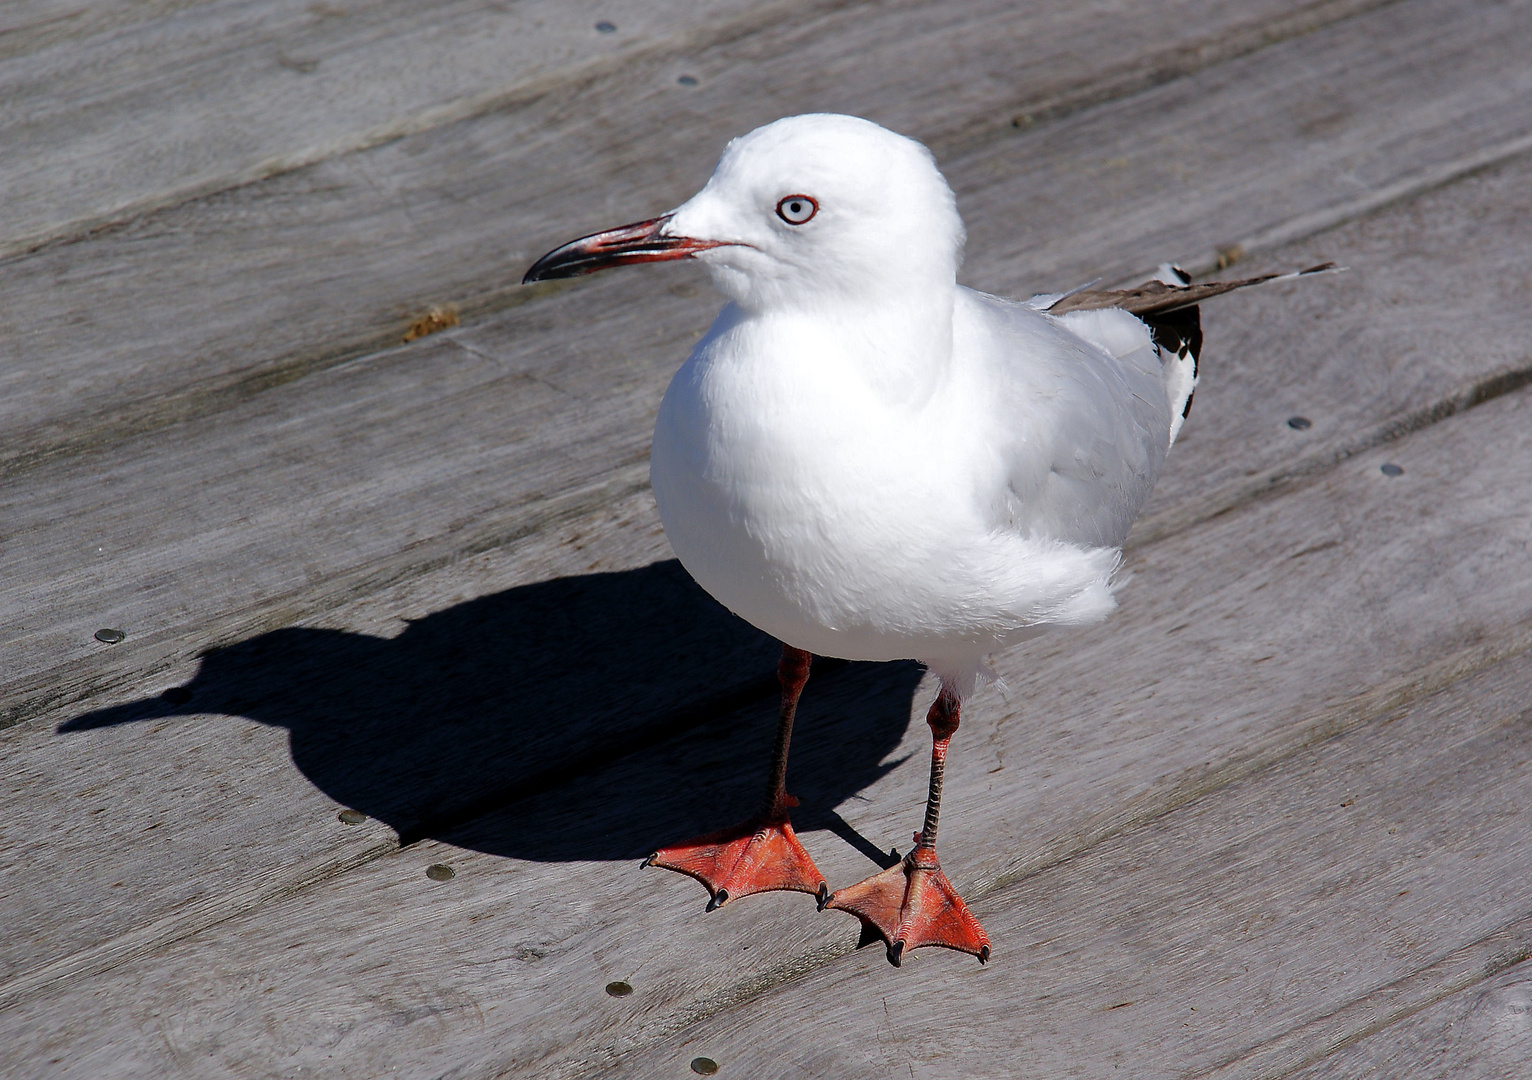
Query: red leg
[
  {"x": 763, "y": 853},
  {"x": 913, "y": 904}
]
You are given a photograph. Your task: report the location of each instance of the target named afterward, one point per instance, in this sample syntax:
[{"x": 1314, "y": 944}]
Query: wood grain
[
  {"x": 334, "y": 260},
  {"x": 428, "y": 583},
  {"x": 153, "y": 103},
  {"x": 454, "y": 457},
  {"x": 1311, "y": 896},
  {"x": 320, "y": 492},
  {"x": 189, "y": 99},
  {"x": 502, "y": 968},
  {"x": 1483, "y": 1032}
]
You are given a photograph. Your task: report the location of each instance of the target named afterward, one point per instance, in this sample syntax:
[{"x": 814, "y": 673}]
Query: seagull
[{"x": 867, "y": 460}]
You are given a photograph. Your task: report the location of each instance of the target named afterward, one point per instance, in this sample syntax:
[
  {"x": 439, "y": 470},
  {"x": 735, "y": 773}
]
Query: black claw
[
  {"x": 720, "y": 898},
  {"x": 896, "y": 953},
  {"x": 824, "y": 895},
  {"x": 984, "y": 955},
  {"x": 650, "y": 860}
]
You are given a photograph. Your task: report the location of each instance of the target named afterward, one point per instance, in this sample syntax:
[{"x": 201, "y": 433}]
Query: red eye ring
[{"x": 797, "y": 209}]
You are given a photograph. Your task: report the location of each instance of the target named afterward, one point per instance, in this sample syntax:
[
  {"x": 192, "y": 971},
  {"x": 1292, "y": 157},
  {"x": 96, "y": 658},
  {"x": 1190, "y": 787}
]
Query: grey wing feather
[{"x": 1091, "y": 421}]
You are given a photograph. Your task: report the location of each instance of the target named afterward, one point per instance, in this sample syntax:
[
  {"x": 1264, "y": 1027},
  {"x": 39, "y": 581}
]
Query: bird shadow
[{"x": 621, "y": 710}]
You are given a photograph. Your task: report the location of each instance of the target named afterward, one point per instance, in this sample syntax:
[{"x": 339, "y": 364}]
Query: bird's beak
[{"x": 640, "y": 242}]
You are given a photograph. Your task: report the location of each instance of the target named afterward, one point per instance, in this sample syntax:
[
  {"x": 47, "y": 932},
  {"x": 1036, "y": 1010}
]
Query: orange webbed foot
[
  {"x": 759, "y": 855},
  {"x": 912, "y": 905}
]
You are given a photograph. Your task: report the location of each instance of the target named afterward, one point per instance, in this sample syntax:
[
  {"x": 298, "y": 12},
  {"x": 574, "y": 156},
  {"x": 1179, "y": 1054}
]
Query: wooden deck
[{"x": 1272, "y": 819}]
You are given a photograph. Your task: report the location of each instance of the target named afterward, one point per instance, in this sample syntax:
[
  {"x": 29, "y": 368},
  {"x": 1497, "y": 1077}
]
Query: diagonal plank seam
[
  {"x": 1306, "y": 468},
  {"x": 1367, "y": 1015},
  {"x": 1171, "y": 64},
  {"x": 64, "y": 685},
  {"x": 427, "y": 119},
  {"x": 1317, "y": 221},
  {"x": 41, "y": 446},
  {"x": 130, "y": 418},
  {"x": 1376, "y": 706},
  {"x": 194, "y": 917}
]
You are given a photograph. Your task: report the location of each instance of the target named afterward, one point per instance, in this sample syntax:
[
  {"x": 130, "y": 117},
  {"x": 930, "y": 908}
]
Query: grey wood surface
[
  {"x": 1483, "y": 1032},
  {"x": 336, "y": 259},
  {"x": 569, "y": 332},
  {"x": 1200, "y": 938},
  {"x": 378, "y": 571},
  {"x": 314, "y": 476},
  {"x": 503, "y": 966}
]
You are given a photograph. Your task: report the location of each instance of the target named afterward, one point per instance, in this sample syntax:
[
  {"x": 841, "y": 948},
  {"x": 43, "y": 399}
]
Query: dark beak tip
[{"x": 640, "y": 242}]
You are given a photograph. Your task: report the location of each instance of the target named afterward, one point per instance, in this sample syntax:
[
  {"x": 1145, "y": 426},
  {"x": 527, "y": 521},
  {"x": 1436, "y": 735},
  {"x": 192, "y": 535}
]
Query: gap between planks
[
  {"x": 1167, "y": 65},
  {"x": 66, "y": 685},
  {"x": 156, "y": 411},
  {"x": 1399, "y": 1000},
  {"x": 200, "y": 400},
  {"x": 1375, "y": 705},
  {"x": 426, "y": 119}
]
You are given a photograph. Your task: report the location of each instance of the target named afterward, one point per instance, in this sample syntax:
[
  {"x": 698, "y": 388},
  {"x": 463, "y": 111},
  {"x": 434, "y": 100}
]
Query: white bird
[{"x": 867, "y": 460}]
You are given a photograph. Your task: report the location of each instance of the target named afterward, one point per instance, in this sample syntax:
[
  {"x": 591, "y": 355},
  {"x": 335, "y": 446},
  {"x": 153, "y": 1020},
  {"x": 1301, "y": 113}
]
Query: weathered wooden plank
[
  {"x": 503, "y": 636},
  {"x": 1326, "y": 881},
  {"x": 1251, "y": 634},
  {"x": 167, "y": 102},
  {"x": 252, "y": 469},
  {"x": 467, "y": 436},
  {"x": 264, "y": 283},
  {"x": 1483, "y": 1032},
  {"x": 300, "y": 447},
  {"x": 244, "y": 79}
]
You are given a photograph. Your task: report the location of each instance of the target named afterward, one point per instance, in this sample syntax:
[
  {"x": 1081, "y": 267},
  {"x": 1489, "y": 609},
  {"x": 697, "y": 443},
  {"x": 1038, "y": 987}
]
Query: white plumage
[{"x": 868, "y": 460}]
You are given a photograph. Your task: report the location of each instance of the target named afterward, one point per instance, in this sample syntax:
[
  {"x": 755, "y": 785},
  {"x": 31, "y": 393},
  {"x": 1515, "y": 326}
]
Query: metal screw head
[
  {"x": 704, "y": 1066},
  {"x": 688, "y": 80},
  {"x": 619, "y": 988},
  {"x": 440, "y": 872},
  {"x": 1391, "y": 470},
  {"x": 605, "y": 27},
  {"x": 352, "y": 817},
  {"x": 1299, "y": 423},
  {"x": 110, "y": 636}
]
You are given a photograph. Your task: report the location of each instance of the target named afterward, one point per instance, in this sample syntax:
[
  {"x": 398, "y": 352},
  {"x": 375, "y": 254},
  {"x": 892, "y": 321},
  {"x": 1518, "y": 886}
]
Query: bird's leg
[
  {"x": 763, "y": 853},
  {"x": 913, "y": 904}
]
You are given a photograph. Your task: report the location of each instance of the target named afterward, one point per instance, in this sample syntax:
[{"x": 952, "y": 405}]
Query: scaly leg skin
[
  {"x": 913, "y": 904},
  {"x": 763, "y": 853}
]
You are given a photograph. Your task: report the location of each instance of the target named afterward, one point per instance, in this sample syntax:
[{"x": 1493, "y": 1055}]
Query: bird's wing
[
  {"x": 1167, "y": 303},
  {"x": 1086, "y": 418},
  {"x": 1156, "y": 298}
]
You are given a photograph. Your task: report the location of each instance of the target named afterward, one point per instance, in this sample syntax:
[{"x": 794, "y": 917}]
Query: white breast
[{"x": 855, "y": 515}]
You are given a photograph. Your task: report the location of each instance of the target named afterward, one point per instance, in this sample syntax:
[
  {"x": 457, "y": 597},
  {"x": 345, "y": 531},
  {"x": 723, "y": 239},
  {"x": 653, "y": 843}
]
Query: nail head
[
  {"x": 1392, "y": 470},
  {"x": 704, "y": 1066},
  {"x": 619, "y": 988},
  {"x": 688, "y": 80},
  {"x": 440, "y": 872},
  {"x": 110, "y": 636},
  {"x": 352, "y": 817},
  {"x": 1299, "y": 423},
  {"x": 606, "y": 27}
]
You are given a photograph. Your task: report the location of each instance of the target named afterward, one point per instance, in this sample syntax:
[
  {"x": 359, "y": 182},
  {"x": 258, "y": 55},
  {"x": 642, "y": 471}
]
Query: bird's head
[{"x": 806, "y": 210}]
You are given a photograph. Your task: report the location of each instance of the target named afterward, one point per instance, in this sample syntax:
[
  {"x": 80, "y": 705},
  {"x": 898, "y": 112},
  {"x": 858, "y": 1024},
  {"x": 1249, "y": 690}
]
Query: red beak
[{"x": 640, "y": 242}]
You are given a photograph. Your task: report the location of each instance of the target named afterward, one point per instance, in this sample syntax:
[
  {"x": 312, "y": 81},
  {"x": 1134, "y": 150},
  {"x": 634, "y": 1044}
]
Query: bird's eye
[{"x": 796, "y": 209}]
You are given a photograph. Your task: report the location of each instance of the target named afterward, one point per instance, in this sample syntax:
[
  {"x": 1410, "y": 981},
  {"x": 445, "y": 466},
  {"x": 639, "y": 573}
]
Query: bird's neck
[{"x": 899, "y": 346}]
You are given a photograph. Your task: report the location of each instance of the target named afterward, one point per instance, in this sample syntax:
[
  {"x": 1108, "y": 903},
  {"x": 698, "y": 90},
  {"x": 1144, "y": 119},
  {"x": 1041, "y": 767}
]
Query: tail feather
[
  {"x": 1167, "y": 304},
  {"x": 1155, "y": 297}
]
